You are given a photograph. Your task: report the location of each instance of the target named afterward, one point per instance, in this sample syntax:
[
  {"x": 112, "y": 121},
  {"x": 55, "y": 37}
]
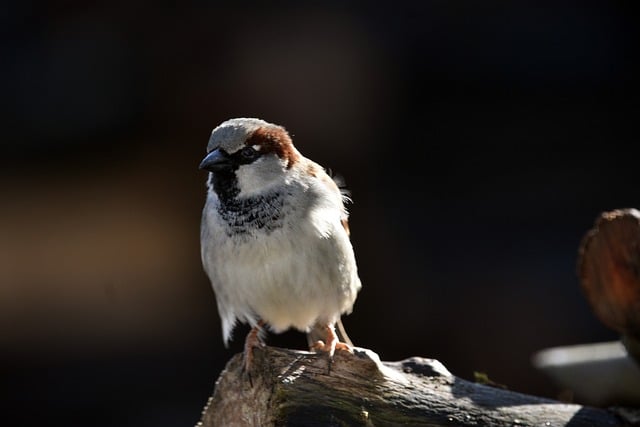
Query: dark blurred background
[{"x": 480, "y": 140}]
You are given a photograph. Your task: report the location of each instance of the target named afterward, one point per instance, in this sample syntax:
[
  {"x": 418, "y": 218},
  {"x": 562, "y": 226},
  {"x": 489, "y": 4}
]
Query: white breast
[{"x": 293, "y": 276}]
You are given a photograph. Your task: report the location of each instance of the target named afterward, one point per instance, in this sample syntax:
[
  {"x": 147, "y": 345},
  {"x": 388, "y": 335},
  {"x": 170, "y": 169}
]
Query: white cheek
[{"x": 260, "y": 176}]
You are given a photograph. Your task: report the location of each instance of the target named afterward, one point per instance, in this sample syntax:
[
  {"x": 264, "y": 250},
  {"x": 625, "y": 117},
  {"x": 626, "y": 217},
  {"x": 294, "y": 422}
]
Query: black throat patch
[
  {"x": 225, "y": 184},
  {"x": 254, "y": 213},
  {"x": 250, "y": 214}
]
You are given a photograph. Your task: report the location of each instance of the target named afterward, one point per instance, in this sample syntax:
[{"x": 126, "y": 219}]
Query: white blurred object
[{"x": 598, "y": 374}]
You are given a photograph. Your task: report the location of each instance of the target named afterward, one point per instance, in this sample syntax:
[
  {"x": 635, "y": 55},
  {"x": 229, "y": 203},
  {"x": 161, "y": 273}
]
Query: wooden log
[
  {"x": 609, "y": 271},
  {"x": 297, "y": 388}
]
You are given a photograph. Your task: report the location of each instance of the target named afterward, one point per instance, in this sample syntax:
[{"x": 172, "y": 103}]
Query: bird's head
[{"x": 247, "y": 157}]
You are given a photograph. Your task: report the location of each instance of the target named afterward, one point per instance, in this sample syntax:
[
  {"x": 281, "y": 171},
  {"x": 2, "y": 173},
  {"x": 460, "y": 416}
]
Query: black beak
[{"x": 216, "y": 161}]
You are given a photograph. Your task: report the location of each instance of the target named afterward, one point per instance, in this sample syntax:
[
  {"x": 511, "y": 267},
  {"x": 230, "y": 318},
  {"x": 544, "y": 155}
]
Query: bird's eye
[{"x": 249, "y": 153}]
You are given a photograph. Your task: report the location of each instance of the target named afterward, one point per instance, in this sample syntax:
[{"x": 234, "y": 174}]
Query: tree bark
[
  {"x": 609, "y": 271},
  {"x": 296, "y": 388}
]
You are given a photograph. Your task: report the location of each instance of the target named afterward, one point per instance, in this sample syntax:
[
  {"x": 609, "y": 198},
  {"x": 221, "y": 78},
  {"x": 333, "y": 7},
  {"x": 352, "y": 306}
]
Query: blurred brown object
[{"x": 609, "y": 271}]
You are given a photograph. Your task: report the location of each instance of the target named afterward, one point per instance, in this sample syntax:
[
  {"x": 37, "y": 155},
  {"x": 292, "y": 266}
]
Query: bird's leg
[
  {"x": 332, "y": 343},
  {"x": 253, "y": 340}
]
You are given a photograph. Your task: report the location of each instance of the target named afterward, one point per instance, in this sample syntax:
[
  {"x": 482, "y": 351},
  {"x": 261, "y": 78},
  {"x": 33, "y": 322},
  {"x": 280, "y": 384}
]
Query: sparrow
[{"x": 275, "y": 238}]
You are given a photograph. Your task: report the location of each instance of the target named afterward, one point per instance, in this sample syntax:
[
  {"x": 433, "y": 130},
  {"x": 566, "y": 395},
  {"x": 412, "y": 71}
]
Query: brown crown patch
[{"x": 275, "y": 140}]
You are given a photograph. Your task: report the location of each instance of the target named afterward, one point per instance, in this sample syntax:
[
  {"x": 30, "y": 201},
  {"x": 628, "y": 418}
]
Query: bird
[{"x": 275, "y": 240}]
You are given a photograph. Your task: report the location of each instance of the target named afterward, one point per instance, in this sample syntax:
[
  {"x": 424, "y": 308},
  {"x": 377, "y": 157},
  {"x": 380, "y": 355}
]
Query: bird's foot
[
  {"x": 252, "y": 341},
  {"x": 330, "y": 348},
  {"x": 331, "y": 344}
]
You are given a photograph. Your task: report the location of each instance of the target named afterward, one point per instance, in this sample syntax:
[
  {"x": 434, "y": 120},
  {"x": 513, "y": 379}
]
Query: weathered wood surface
[
  {"x": 609, "y": 271},
  {"x": 295, "y": 388}
]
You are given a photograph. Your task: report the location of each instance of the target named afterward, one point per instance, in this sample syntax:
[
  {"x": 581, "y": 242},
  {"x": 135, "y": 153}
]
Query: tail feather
[{"x": 342, "y": 333}]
